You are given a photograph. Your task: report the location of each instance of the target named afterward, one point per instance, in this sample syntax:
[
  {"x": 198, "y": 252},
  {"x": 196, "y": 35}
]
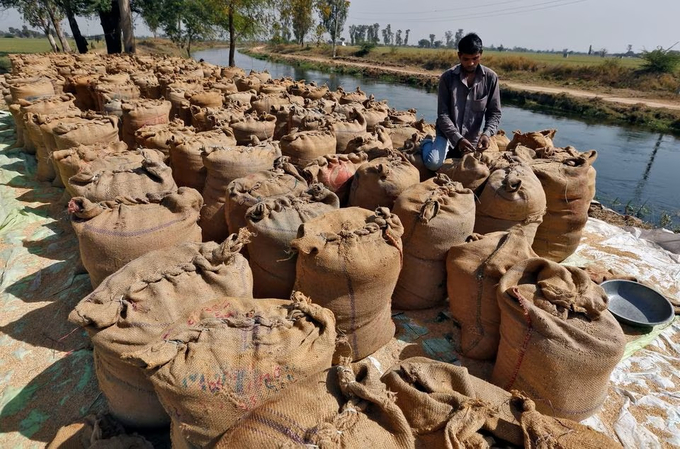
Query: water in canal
[{"x": 636, "y": 169}]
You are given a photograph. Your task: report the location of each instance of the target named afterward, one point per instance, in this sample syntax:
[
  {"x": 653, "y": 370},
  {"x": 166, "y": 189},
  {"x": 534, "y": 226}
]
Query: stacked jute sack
[{"x": 247, "y": 239}]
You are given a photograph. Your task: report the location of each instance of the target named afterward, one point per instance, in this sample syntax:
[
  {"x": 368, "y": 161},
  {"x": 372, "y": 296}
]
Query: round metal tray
[{"x": 636, "y": 304}]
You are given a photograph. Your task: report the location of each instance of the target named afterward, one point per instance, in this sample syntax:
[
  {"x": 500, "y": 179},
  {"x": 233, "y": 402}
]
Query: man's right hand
[{"x": 464, "y": 146}]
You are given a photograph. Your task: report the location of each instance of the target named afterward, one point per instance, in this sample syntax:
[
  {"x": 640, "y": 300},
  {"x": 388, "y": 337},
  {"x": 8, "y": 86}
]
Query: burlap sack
[
  {"x": 140, "y": 113},
  {"x": 206, "y": 99},
  {"x": 84, "y": 95},
  {"x": 106, "y": 183},
  {"x": 337, "y": 408},
  {"x": 568, "y": 192},
  {"x": 111, "y": 234},
  {"x": 247, "y": 191},
  {"x": 414, "y": 154},
  {"x": 274, "y": 87},
  {"x": 263, "y": 103},
  {"x": 240, "y": 98},
  {"x": 86, "y": 132},
  {"x": 248, "y": 83},
  {"x": 437, "y": 214},
  {"x": 469, "y": 171},
  {"x": 31, "y": 89},
  {"x": 446, "y": 407},
  {"x": 544, "y": 432},
  {"x": 47, "y": 123},
  {"x": 349, "y": 261},
  {"x": 97, "y": 432},
  {"x": 206, "y": 119},
  {"x": 225, "y": 164},
  {"x": 375, "y": 145},
  {"x": 33, "y": 140},
  {"x": 231, "y": 73},
  {"x": 379, "y": 182},
  {"x": 336, "y": 172},
  {"x": 303, "y": 147},
  {"x": 261, "y": 126},
  {"x": 473, "y": 271},
  {"x": 274, "y": 223},
  {"x": 512, "y": 195},
  {"x": 131, "y": 308},
  {"x": 161, "y": 137},
  {"x": 375, "y": 114},
  {"x": 45, "y": 169},
  {"x": 533, "y": 140},
  {"x": 559, "y": 343},
  {"x": 105, "y": 92},
  {"x": 501, "y": 140},
  {"x": 310, "y": 91},
  {"x": 185, "y": 156},
  {"x": 92, "y": 158},
  {"x": 230, "y": 356},
  {"x": 400, "y": 133},
  {"x": 348, "y": 130},
  {"x": 355, "y": 96}
]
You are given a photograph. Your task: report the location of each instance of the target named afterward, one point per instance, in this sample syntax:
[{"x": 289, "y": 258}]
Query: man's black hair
[{"x": 470, "y": 44}]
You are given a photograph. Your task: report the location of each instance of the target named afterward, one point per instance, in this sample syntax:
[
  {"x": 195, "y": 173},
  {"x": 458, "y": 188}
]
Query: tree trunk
[
  {"x": 57, "y": 29},
  {"x": 126, "y": 25},
  {"x": 81, "y": 42},
  {"x": 50, "y": 38},
  {"x": 110, "y": 23},
  {"x": 232, "y": 38}
]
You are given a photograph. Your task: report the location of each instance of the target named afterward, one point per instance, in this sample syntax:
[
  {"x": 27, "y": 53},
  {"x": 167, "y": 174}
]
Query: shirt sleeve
[
  {"x": 444, "y": 122},
  {"x": 492, "y": 117}
]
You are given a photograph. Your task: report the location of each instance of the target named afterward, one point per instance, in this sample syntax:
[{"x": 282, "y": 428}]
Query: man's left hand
[{"x": 483, "y": 142}]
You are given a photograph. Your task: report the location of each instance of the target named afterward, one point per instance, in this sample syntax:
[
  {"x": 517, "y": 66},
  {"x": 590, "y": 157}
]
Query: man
[{"x": 468, "y": 96}]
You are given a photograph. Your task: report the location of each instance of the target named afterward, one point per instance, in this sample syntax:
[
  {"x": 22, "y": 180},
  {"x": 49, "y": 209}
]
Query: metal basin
[{"x": 636, "y": 304}]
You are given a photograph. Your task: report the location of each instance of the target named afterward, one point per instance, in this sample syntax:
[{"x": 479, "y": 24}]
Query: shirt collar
[{"x": 480, "y": 68}]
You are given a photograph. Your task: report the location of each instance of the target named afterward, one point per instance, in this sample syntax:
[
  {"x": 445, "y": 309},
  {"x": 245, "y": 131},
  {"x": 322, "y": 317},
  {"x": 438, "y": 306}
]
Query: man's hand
[
  {"x": 484, "y": 142},
  {"x": 464, "y": 146}
]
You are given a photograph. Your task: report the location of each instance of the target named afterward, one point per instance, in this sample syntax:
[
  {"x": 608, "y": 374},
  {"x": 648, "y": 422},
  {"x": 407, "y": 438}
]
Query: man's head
[{"x": 470, "y": 51}]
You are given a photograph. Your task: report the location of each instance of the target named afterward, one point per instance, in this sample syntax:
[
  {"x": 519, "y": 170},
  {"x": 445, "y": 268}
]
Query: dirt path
[{"x": 652, "y": 103}]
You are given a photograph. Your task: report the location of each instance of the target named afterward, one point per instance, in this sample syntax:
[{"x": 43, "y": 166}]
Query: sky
[{"x": 535, "y": 24}]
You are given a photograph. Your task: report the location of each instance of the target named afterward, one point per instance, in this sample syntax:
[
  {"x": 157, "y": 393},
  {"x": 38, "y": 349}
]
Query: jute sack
[
  {"x": 533, "y": 140},
  {"x": 240, "y": 98},
  {"x": 568, "y": 192},
  {"x": 106, "y": 183},
  {"x": 274, "y": 87},
  {"x": 185, "y": 155},
  {"x": 311, "y": 91},
  {"x": 501, "y": 140},
  {"x": 348, "y": 130},
  {"x": 446, "y": 407},
  {"x": 340, "y": 407},
  {"x": 473, "y": 270},
  {"x": 132, "y": 307},
  {"x": 414, "y": 154},
  {"x": 437, "y": 214},
  {"x": 160, "y": 137},
  {"x": 229, "y": 356},
  {"x": 400, "y": 133},
  {"x": 407, "y": 117},
  {"x": 245, "y": 192},
  {"x": 375, "y": 113},
  {"x": 105, "y": 92},
  {"x": 349, "y": 261},
  {"x": 97, "y": 432},
  {"x": 47, "y": 123},
  {"x": 469, "y": 171},
  {"x": 379, "y": 182},
  {"x": 33, "y": 140},
  {"x": 263, "y": 103},
  {"x": 31, "y": 89},
  {"x": 248, "y": 83},
  {"x": 559, "y": 343},
  {"x": 512, "y": 195},
  {"x": 92, "y": 158},
  {"x": 206, "y": 99},
  {"x": 111, "y": 234},
  {"x": 19, "y": 126},
  {"x": 261, "y": 126},
  {"x": 376, "y": 144},
  {"x": 230, "y": 73},
  {"x": 223, "y": 165},
  {"x": 139, "y": 113},
  {"x": 274, "y": 223},
  {"x": 541, "y": 431},
  {"x": 302, "y": 147},
  {"x": 82, "y": 85},
  {"x": 336, "y": 172},
  {"x": 355, "y": 96},
  {"x": 86, "y": 132},
  {"x": 45, "y": 169}
]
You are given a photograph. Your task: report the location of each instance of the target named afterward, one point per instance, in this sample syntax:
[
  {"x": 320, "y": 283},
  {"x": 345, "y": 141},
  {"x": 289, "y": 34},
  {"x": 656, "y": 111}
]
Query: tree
[
  {"x": 243, "y": 19},
  {"x": 109, "y": 17},
  {"x": 501, "y": 48},
  {"x": 437, "y": 44},
  {"x": 352, "y": 32},
  {"x": 35, "y": 13},
  {"x": 189, "y": 20},
  {"x": 406, "y": 37},
  {"x": 126, "y": 26},
  {"x": 449, "y": 38},
  {"x": 459, "y": 35},
  {"x": 660, "y": 61},
  {"x": 301, "y": 14},
  {"x": 387, "y": 34},
  {"x": 424, "y": 43},
  {"x": 151, "y": 12},
  {"x": 398, "y": 40},
  {"x": 432, "y": 40},
  {"x": 333, "y": 14}
]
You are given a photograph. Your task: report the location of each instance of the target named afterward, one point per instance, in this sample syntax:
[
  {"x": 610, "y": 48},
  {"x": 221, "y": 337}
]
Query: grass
[
  {"x": 10, "y": 45},
  {"x": 588, "y": 72}
]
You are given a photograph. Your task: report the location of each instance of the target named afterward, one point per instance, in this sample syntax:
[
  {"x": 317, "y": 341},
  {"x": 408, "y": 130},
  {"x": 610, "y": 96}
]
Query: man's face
[{"x": 468, "y": 62}]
